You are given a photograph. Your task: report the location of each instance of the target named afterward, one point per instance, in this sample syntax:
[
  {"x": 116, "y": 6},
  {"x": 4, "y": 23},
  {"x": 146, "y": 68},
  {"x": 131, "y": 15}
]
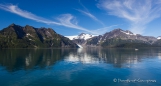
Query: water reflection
[
  {"x": 82, "y": 56},
  {"x": 116, "y": 57},
  {"x": 16, "y": 59}
]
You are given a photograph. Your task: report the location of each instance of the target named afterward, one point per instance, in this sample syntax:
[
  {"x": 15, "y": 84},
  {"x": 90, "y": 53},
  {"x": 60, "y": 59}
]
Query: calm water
[{"x": 80, "y": 67}]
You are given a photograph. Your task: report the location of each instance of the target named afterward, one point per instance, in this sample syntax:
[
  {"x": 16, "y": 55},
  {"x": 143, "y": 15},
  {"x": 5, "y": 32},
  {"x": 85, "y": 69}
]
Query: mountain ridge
[
  {"x": 15, "y": 36},
  {"x": 120, "y": 38}
]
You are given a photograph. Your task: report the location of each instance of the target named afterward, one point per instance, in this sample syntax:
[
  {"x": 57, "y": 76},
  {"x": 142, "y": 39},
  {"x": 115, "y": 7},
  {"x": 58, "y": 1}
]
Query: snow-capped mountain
[
  {"x": 81, "y": 36},
  {"x": 159, "y": 37},
  {"x": 121, "y": 38},
  {"x": 71, "y": 37},
  {"x": 124, "y": 35},
  {"x": 116, "y": 38}
]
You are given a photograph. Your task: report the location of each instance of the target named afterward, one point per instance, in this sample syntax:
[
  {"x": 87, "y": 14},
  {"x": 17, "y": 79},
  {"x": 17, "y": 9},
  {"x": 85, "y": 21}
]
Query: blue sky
[{"x": 72, "y": 17}]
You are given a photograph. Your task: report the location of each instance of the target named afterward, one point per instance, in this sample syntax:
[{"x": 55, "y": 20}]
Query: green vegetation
[
  {"x": 118, "y": 42},
  {"x": 15, "y": 36}
]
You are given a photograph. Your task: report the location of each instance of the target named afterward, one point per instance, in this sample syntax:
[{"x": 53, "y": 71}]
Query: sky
[{"x": 72, "y": 17}]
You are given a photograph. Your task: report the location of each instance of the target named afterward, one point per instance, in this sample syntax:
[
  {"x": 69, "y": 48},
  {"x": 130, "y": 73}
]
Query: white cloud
[
  {"x": 66, "y": 20},
  {"x": 138, "y": 12},
  {"x": 14, "y": 9},
  {"x": 90, "y": 15},
  {"x": 103, "y": 30},
  {"x": 87, "y": 13}
]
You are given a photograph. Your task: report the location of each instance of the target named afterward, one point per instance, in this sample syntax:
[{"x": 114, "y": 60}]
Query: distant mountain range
[
  {"x": 118, "y": 38},
  {"x": 15, "y": 36}
]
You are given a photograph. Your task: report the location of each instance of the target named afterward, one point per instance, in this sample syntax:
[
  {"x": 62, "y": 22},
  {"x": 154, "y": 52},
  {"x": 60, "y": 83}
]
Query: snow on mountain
[
  {"x": 81, "y": 36},
  {"x": 159, "y": 37},
  {"x": 128, "y": 32},
  {"x": 71, "y": 37},
  {"x": 80, "y": 46}
]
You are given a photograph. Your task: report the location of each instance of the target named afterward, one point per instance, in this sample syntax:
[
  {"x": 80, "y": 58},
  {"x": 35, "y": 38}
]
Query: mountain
[
  {"x": 120, "y": 38},
  {"x": 83, "y": 36},
  {"x": 15, "y": 36},
  {"x": 159, "y": 37}
]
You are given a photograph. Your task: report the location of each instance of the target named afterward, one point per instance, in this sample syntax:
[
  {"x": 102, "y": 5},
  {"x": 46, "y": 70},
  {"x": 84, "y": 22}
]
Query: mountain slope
[
  {"x": 121, "y": 38},
  {"x": 15, "y": 36},
  {"x": 82, "y": 36}
]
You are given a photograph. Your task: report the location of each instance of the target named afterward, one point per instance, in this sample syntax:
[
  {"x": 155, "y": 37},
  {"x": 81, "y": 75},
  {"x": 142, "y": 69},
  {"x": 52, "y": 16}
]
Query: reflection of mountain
[
  {"x": 26, "y": 59},
  {"x": 117, "y": 57},
  {"x": 82, "y": 57},
  {"x": 41, "y": 58}
]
